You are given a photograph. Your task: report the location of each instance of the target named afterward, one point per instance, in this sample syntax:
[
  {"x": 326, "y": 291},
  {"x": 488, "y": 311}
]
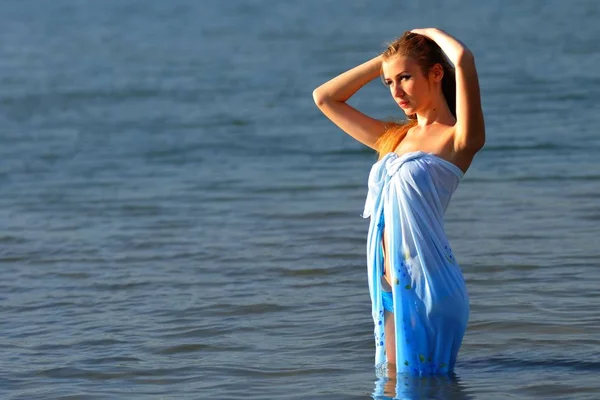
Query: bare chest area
[{"x": 437, "y": 141}]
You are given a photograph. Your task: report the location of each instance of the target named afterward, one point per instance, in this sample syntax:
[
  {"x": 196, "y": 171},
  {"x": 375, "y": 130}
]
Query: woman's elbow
[
  {"x": 319, "y": 97},
  {"x": 465, "y": 57}
]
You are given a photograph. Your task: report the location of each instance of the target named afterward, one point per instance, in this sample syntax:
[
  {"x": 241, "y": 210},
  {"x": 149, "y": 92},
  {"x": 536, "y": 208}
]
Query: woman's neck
[{"x": 438, "y": 112}]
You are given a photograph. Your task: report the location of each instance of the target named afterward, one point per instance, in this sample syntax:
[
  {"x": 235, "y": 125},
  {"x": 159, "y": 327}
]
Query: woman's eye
[
  {"x": 387, "y": 83},
  {"x": 404, "y": 77}
]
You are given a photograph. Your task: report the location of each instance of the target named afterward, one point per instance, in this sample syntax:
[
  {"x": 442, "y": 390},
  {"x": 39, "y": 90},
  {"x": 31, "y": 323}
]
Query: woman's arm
[
  {"x": 331, "y": 99},
  {"x": 470, "y": 126}
]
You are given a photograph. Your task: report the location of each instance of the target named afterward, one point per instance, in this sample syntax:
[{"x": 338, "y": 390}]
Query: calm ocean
[{"x": 179, "y": 221}]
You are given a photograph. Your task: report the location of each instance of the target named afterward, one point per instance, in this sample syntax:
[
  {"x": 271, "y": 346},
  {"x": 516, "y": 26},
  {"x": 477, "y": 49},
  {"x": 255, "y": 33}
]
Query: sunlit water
[{"x": 178, "y": 220}]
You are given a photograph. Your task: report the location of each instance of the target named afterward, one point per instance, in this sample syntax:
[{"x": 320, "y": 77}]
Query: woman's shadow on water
[{"x": 390, "y": 385}]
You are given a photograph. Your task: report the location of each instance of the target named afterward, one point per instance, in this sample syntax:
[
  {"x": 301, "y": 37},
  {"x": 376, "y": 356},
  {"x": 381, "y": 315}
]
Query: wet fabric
[
  {"x": 407, "y": 198},
  {"x": 387, "y": 301}
]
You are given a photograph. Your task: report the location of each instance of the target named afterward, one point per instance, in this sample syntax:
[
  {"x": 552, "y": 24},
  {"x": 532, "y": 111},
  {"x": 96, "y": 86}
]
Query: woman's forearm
[{"x": 343, "y": 86}]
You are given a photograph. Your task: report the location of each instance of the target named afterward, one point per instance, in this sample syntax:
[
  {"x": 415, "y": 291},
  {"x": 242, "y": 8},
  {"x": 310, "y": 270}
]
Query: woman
[{"x": 420, "y": 305}]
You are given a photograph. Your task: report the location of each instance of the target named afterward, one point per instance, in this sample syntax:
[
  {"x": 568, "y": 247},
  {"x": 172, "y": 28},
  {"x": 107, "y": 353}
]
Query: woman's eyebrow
[{"x": 398, "y": 74}]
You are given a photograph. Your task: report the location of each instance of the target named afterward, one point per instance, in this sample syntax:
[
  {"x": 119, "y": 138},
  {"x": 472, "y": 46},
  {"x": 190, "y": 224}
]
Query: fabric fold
[{"x": 407, "y": 199}]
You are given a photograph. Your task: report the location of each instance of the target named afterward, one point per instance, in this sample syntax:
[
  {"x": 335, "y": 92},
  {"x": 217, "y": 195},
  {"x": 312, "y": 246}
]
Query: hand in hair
[{"x": 455, "y": 50}]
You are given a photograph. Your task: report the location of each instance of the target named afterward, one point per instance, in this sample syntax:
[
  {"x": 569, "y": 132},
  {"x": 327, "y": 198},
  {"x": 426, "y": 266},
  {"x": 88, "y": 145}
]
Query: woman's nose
[{"x": 398, "y": 92}]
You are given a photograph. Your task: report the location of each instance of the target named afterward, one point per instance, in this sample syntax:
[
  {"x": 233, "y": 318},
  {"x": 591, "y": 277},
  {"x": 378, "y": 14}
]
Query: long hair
[{"x": 426, "y": 53}]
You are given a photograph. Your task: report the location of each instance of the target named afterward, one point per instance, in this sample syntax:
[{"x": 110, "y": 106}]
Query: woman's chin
[{"x": 407, "y": 109}]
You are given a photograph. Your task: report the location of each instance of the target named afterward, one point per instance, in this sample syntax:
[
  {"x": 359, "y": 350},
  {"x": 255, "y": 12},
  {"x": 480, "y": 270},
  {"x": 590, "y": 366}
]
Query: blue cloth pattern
[
  {"x": 408, "y": 196},
  {"x": 387, "y": 300}
]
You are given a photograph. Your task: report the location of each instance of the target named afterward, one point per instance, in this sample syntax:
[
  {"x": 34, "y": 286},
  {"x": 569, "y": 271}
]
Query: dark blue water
[{"x": 178, "y": 220}]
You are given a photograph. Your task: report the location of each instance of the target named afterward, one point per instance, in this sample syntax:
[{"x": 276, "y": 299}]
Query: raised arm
[
  {"x": 331, "y": 99},
  {"x": 470, "y": 126}
]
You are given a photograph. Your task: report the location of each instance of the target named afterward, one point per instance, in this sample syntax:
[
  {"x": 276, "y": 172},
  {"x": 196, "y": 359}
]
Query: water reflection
[{"x": 390, "y": 386}]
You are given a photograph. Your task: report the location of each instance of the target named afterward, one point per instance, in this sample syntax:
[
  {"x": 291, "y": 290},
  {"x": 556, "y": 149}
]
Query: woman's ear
[{"x": 436, "y": 73}]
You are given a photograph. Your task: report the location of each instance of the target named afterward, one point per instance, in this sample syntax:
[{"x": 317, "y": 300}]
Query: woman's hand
[
  {"x": 421, "y": 31},
  {"x": 456, "y": 51}
]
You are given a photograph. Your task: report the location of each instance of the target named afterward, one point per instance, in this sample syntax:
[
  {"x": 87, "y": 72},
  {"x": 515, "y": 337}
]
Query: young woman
[{"x": 420, "y": 304}]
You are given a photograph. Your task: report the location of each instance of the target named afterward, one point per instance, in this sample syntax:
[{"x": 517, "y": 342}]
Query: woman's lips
[{"x": 403, "y": 104}]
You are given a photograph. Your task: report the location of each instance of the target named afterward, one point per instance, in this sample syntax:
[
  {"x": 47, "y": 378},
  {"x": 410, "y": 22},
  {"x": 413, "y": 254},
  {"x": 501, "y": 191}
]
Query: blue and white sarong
[{"x": 408, "y": 196}]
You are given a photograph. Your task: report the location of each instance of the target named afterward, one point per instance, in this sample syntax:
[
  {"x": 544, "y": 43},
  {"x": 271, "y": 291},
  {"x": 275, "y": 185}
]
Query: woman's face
[{"x": 411, "y": 90}]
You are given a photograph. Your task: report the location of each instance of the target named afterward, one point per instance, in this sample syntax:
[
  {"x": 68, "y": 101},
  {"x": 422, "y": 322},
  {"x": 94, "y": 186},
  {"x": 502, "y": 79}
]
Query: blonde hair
[
  {"x": 426, "y": 53},
  {"x": 393, "y": 135}
]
